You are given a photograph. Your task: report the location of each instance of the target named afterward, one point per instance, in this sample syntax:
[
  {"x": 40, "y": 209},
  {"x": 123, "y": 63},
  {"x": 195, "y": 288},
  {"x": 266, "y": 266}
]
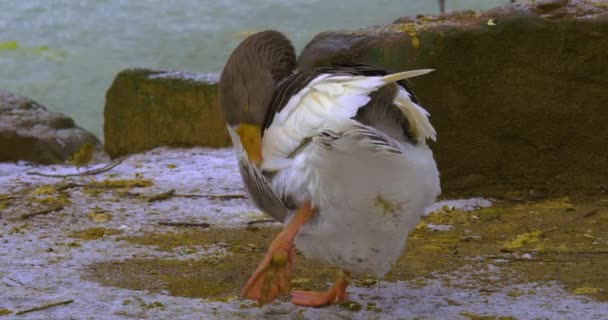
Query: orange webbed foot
[
  {"x": 273, "y": 275},
  {"x": 336, "y": 294}
]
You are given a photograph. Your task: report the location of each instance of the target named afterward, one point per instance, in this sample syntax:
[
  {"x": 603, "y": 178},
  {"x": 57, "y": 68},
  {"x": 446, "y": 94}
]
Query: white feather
[
  {"x": 417, "y": 116},
  {"x": 326, "y": 103},
  {"x": 369, "y": 189},
  {"x": 294, "y": 101},
  {"x": 331, "y": 89},
  {"x": 241, "y": 155},
  {"x": 367, "y": 201}
]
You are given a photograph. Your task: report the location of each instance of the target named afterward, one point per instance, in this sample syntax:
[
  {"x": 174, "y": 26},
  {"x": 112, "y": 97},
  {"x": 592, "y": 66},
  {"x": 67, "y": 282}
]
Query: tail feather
[
  {"x": 404, "y": 75},
  {"x": 417, "y": 116}
]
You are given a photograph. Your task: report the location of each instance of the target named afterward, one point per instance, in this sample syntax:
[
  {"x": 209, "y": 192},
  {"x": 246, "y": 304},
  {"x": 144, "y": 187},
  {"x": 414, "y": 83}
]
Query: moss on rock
[
  {"x": 517, "y": 103},
  {"x": 147, "y": 108}
]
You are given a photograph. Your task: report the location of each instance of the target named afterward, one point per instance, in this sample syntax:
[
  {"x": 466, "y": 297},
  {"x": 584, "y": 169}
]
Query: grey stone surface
[
  {"x": 518, "y": 97},
  {"x": 28, "y": 131}
]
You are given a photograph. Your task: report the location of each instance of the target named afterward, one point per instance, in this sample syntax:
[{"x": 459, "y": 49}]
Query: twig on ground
[
  {"x": 46, "y": 306},
  {"x": 15, "y": 281},
  {"x": 548, "y": 260},
  {"x": 191, "y": 196},
  {"x": 162, "y": 196},
  {"x": 41, "y": 212},
  {"x": 250, "y": 223},
  {"x": 212, "y": 196},
  {"x": 68, "y": 185},
  {"x": 79, "y": 174},
  {"x": 184, "y": 224}
]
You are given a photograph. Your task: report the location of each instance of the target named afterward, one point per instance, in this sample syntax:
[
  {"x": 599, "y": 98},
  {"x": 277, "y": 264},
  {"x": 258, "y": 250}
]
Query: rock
[
  {"x": 28, "y": 131},
  {"x": 518, "y": 96},
  {"x": 146, "y": 108},
  {"x": 546, "y": 6}
]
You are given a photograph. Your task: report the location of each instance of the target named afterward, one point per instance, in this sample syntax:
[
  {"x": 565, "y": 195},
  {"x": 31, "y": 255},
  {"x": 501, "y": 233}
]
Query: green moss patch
[
  {"x": 217, "y": 278},
  {"x": 545, "y": 241},
  {"x": 122, "y": 183},
  {"x": 509, "y": 243},
  {"x": 5, "y": 312},
  {"x": 94, "y": 233}
]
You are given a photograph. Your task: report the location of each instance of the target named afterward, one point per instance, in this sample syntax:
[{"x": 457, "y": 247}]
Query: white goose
[{"x": 338, "y": 154}]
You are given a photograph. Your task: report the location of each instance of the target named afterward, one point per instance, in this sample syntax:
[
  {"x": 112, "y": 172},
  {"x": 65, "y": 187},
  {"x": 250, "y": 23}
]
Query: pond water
[{"x": 65, "y": 53}]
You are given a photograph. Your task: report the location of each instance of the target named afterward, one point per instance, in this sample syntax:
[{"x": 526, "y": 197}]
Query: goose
[{"x": 338, "y": 154}]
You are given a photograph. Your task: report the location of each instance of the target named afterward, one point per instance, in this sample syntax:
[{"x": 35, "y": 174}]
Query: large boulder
[
  {"x": 519, "y": 96},
  {"x": 28, "y": 131},
  {"x": 146, "y": 108}
]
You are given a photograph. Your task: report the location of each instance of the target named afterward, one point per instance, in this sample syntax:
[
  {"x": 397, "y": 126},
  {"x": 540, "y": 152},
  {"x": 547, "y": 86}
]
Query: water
[{"x": 65, "y": 53}]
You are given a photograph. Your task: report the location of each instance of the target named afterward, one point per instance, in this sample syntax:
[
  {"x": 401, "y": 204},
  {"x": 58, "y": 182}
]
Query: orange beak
[{"x": 251, "y": 139}]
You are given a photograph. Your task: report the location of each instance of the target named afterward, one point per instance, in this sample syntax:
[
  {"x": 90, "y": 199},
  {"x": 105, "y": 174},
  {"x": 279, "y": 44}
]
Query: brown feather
[{"x": 251, "y": 75}]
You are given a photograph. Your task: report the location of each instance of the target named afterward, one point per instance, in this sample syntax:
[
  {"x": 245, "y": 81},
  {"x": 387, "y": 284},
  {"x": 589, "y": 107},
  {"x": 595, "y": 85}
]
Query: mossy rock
[
  {"x": 518, "y": 97},
  {"x": 31, "y": 132},
  {"x": 147, "y": 108}
]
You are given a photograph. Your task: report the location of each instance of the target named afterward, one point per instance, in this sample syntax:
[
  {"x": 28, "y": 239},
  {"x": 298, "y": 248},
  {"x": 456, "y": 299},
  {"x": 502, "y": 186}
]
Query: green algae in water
[{"x": 9, "y": 45}]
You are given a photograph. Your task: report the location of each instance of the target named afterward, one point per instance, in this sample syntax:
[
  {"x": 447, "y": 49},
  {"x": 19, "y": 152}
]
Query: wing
[
  {"x": 366, "y": 70},
  {"x": 288, "y": 88},
  {"x": 329, "y": 102},
  {"x": 293, "y": 84},
  {"x": 363, "y": 136},
  {"x": 257, "y": 185}
]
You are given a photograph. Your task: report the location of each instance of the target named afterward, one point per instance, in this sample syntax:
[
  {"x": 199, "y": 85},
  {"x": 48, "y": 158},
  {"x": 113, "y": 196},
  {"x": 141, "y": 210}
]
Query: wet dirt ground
[{"x": 170, "y": 234}]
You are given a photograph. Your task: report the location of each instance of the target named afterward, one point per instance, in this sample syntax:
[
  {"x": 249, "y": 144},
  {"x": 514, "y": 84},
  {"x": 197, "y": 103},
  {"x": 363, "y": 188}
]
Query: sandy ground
[{"x": 46, "y": 257}]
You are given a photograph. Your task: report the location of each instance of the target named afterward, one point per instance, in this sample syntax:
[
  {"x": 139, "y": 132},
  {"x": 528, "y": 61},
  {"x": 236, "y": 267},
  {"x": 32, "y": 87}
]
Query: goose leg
[{"x": 273, "y": 275}]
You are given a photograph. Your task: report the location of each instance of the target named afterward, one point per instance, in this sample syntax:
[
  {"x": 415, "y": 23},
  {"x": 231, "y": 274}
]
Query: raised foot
[
  {"x": 336, "y": 294},
  {"x": 273, "y": 275}
]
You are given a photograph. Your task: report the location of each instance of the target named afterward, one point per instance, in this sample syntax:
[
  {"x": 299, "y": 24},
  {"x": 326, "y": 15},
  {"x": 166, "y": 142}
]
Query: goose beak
[{"x": 251, "y": 139}]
